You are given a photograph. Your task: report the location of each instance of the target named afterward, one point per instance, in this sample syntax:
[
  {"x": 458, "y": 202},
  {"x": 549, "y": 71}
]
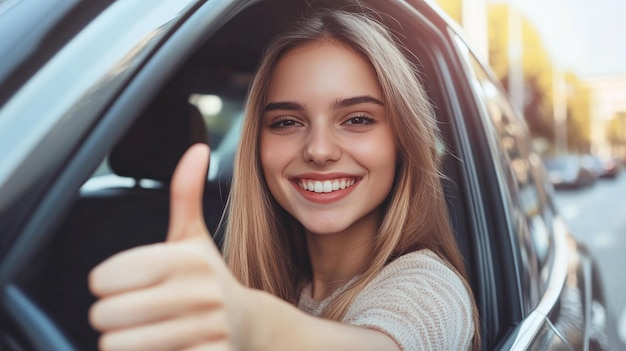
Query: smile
[{"x": 326, "y": 186}]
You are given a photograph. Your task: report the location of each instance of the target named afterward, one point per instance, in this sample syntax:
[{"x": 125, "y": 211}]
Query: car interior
[{"x": 202, "y": 102}]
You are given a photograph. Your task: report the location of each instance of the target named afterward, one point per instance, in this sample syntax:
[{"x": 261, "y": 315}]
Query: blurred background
[{"x": 563, "y": 62}]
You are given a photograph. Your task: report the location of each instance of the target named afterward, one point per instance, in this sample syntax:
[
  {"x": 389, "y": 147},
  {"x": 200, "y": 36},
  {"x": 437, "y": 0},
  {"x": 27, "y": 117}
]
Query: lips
[{"x": 326, "y": 186}]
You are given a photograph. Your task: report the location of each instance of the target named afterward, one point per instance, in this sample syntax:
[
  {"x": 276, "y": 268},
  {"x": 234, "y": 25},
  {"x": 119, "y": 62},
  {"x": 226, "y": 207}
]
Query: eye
[
  {"x": 285, "y": 123},
  {"x": 359, "y": 120}
]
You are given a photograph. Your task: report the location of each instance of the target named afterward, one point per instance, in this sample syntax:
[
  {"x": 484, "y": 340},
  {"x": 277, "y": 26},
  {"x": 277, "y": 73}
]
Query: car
[
  {"x": 601, "y": 167},
  {"x": 611, "y": 167},
  {"x": 572, "y": 171},
  {"x": 99, "y": 99},
  {"x": 594, "y": 164}
]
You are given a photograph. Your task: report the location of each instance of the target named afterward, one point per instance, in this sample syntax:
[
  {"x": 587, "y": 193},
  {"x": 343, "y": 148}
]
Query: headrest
[{"x": 156, "y": 142}]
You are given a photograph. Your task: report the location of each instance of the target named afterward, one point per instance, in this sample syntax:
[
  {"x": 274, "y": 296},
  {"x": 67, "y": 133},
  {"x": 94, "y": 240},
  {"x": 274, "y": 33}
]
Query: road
[{"x": 597, "y": 217}]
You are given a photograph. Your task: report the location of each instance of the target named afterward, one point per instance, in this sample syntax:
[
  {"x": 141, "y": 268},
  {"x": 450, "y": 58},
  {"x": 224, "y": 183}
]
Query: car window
[
  {"x": 221, "y": 109},
  {"x": 523, "y": 170},
  {"x": 217, "y": 112}
]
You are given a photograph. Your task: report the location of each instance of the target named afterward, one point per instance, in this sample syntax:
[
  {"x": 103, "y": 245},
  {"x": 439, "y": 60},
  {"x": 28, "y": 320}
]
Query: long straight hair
[{"x": 265, "y": 247}]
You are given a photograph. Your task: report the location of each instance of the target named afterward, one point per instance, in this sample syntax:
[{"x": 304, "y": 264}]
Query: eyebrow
[
  {"x": 337, "y": 104},
  {"x": 284, "y": 105},
  {"x": 363, "y": 99}
]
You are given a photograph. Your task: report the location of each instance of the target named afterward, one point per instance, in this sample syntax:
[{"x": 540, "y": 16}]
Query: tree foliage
[
  {"x": 616, "y": 129},
  {"x": 578, "y": 113},
  {"x": 454, "y": 8},
  {"x": 536, "y": 67},
  {"x": 538, "y": 73}
]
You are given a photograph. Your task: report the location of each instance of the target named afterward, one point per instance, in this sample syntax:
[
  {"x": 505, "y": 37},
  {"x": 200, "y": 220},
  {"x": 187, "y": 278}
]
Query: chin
[{"x": 324, "y": 230}]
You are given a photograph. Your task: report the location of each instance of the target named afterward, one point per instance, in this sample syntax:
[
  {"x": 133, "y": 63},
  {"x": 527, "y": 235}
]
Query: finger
[
  {"x": 186, "y": 192},
  {"x": 146, "y": 266},
  {"x": 173, "y": 334},
  {"x": 186, "y": 215},
  {"x": 175, "y": 298},
  {"x": 223, "y": 345}
]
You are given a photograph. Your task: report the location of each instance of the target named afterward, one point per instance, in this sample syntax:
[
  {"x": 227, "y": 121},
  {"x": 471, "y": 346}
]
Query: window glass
[
  {"x": 522, "y": 169},
  {"x": 221, "y": 108},
  {"x": 220, "y": 114}
]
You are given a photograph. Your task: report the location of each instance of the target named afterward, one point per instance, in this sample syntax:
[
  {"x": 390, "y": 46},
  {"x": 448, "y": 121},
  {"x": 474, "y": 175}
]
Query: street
[{"x": 596, "y": 215}]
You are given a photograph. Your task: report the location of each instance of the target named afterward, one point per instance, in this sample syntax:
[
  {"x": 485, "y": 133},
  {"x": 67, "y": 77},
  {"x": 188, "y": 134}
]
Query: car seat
[{"x": 113, "y": 219}]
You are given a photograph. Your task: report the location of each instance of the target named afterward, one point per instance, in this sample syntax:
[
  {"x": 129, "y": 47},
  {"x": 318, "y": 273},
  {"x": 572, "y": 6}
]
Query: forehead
[{"x": 323, "y": 67}]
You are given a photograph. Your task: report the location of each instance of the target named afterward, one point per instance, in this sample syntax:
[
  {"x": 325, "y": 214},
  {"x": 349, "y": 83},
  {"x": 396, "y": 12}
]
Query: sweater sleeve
[{"x": 419, "y": 302}]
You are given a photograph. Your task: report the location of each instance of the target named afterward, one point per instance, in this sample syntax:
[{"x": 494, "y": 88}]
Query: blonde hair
[{"x": 265, "y": 247}]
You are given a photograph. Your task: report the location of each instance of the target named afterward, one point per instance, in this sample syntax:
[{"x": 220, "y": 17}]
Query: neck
[{"x": 336, "y": 258}]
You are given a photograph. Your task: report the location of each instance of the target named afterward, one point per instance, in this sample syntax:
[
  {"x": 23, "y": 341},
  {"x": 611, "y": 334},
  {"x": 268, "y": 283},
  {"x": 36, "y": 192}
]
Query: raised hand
[{"x": 173, "y": 295}]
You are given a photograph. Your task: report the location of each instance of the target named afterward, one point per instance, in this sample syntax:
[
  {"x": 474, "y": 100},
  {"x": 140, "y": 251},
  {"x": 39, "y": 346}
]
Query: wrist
[
  {"x": 270, "y": 318},
  {"x": 257, "y": 322}
]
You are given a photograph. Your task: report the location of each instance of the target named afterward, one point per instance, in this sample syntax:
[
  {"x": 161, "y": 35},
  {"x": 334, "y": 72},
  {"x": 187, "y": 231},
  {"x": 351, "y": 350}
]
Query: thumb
[{"x": 186, "y": 192}]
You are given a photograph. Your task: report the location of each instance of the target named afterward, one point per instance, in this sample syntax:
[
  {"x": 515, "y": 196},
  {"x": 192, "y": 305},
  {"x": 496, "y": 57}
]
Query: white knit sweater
[{"x": 417, "y": 300}]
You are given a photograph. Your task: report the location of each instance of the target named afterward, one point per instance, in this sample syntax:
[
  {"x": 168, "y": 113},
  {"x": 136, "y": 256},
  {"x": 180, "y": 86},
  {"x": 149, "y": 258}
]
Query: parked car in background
[
  {"x": 611, "y": 167},
  {"x": 594, "y": 164},
  {"x": 572, "y": 171},
  {"x": 602, "y": 167},
  {"x": 98, "y": 100}
]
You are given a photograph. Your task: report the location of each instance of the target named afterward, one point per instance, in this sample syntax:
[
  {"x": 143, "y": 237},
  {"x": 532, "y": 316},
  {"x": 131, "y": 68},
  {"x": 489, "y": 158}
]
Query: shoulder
[
  {"x": 416, "y": 266},
  {"x": 419, "y": 301},
  {"x": 416, "y": 259},
  {"x": 422, "y": 272}
]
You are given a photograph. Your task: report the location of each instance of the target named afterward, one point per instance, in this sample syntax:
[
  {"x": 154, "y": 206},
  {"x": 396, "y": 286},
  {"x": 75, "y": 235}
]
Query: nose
[{"x": 321, "y": 146}]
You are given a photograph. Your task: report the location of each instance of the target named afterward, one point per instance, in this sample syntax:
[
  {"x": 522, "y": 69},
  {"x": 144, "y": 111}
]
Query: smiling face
[{"x": 326, "y": 147}]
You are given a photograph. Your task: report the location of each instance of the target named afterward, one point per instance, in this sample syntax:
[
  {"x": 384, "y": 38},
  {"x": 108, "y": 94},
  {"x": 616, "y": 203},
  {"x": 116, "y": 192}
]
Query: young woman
[{"x": 336, "y": 211}]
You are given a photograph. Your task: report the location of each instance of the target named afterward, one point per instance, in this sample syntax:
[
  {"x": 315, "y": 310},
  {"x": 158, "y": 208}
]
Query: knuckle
[
  {"x": 95, "y": 282},
  {"x": 215, "y": 326},
  {"x": 210, "y": 295},
  {"x": 106, "y": 343},
  {"x": 191, "y": 252},
  {"x": 96, "y": 317}
]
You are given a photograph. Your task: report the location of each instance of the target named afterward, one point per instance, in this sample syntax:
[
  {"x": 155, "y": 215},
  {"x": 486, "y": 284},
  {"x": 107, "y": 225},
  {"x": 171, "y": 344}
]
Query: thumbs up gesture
[{"x": 173, "y": 295}]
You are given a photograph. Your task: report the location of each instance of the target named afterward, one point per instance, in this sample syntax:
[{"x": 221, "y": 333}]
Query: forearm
[{"x": 278, "y": 325}]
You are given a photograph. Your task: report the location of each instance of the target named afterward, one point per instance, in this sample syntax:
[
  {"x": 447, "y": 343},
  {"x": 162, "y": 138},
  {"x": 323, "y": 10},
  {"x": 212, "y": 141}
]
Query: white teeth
[{"x": 326, "y": 186}]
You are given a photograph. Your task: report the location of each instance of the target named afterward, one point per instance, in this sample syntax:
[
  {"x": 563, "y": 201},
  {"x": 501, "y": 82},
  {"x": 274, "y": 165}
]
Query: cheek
[
  {"x": 274, "y": 158},
  {"x": 378, "y": 154},
  {"x": 265, "y": 153}
]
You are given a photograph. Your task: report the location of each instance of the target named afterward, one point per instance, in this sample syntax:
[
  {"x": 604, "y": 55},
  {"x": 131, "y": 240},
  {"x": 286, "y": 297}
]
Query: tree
[
  {"x": 536, "y": 66},
  {"x": 538, "y": 76},
  {"x": 616, "y": 130},
  {"x": 578, "y": 113},
  {"x": 454, "y": 8},
  {"x": 616, "y": 135}
]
